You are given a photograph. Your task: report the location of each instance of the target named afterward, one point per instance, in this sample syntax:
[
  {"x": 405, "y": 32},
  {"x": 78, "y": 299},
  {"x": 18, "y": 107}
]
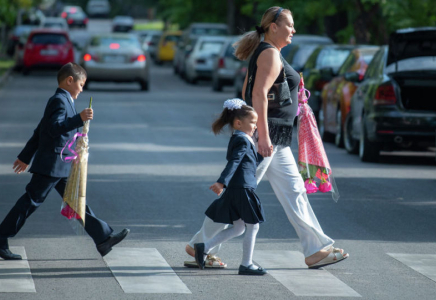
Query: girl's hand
[
  {"x": 19, "y": 166},
  {"x": 264, "y": 147},
  {"x": 217, "y": 188}
]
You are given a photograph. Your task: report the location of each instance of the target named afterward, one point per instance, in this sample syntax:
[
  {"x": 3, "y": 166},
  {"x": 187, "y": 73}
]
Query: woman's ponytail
[{"x": 247, "y": 44}]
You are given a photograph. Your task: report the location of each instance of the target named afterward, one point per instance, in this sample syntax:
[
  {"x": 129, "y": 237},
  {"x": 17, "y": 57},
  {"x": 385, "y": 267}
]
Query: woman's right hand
[{"x": 264, "y": 147}]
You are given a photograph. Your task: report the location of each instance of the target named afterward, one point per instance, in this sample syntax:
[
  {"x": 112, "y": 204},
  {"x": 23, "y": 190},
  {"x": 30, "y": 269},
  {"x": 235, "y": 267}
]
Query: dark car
[
  {"x": 14, "y": 37},
  {"x": 75, "y": 16},
  {"x": 336, "y": 95},
  {"x": 322, "y": 65},
  {"x": 394, "y": 106},
  {"x": 304, "y": 39},
  {"x": 122, "y": 24}
]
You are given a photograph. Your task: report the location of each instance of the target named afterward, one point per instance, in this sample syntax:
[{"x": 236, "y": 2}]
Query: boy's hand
[
  {"x": 217, "y": 188},
  {"x": 87, "y": 114},
  {"x": 19, "y": 166}
]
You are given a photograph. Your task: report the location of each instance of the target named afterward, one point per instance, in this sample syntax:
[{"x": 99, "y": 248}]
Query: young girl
[{"x": 238, "y": 205}]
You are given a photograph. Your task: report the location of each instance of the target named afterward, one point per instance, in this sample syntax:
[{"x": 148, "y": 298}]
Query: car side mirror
[
  {"x": 353, "y": 77},
  {"x": 326, "y": 73}
]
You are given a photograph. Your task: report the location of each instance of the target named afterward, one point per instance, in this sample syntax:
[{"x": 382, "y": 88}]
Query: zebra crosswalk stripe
[
  {"x": 289, "y": 269},
  {"x": 144, "y": 270},
  {"x": 15, "y": 276},
  {"x": 424, "y": 264}
]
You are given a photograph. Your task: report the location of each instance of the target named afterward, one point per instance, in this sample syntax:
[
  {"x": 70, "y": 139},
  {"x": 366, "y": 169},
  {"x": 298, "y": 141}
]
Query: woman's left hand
[{"x": 217, "y": 188}]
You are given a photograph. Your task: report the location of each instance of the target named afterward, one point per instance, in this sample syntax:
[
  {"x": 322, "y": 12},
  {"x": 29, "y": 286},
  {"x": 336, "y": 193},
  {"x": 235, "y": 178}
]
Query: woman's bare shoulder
[{"x": 268, "y": 56}]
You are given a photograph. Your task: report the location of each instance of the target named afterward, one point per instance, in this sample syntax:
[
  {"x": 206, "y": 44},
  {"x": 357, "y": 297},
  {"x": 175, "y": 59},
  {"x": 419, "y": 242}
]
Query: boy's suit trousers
[{"x": 36, "y": 192}]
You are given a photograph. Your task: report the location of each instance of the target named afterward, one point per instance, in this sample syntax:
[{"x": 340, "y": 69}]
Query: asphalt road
[{"x": 152, "y": 159}]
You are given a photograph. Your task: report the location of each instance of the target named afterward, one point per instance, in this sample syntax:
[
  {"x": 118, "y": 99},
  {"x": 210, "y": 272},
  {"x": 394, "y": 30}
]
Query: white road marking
[
  {"x": 144, "y": 270},
  {"x": 15, "y": 276},
  {"x": 289, "y": 269},
  {"x": 421, "y": 263}
]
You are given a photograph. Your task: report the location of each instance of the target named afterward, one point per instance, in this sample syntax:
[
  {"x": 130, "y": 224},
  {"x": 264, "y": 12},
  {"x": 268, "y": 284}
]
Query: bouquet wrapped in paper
[
  {"x": 74, "y": 200},
  {"x": 313, "y": 164}
]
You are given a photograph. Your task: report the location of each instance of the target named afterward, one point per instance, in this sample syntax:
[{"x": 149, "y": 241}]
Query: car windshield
[
  {"x": 413, "y": 64},
  {"x": 53, "y": 25},
  {"x": 107, "y": 41},
  {"x": 172, "y": 38},
  {"x": 210, "y": 47},
  {"x": 302, "y": 55},
  {"x": 49, "y": 39},
  {"x": 330, "y": 57},
  {"x": 209, "y": 31}
]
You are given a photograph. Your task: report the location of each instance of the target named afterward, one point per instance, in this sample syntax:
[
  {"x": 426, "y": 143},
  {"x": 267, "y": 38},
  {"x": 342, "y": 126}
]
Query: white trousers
[{"x": 282, "y": 173}]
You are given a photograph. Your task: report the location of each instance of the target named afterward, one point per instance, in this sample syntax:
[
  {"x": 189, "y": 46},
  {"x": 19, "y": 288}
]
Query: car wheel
[
  {"x": 351, "y": 145},
  {"x": 339, "y": 141},
  {"x": 144, "y": 85},
  {"x": 217, "y": 85},
  {"x": 368, "y": 151}
]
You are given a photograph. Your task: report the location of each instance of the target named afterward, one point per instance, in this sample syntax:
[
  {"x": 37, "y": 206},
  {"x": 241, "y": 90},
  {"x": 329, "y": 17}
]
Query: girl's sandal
[{"x": 212, "y": 261}]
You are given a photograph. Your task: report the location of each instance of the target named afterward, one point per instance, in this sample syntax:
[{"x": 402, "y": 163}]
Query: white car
[
  {"x": 55, "y": 23},
  {"x": 200, "y": 63},
  {"x": 98, "y": 8}
]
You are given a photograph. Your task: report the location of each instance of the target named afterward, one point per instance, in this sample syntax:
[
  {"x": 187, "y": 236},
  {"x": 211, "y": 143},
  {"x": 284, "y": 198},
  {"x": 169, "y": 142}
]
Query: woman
[{"x": 266, "y": 89}]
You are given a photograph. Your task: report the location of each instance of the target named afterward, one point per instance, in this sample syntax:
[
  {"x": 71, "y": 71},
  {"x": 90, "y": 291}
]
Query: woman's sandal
[
  {"x": 212, "y": 261},
  {"x": 335, "y": 256}
]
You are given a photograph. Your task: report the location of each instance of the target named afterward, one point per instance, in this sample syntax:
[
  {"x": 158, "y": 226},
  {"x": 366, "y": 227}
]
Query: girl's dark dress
[{"x": 239, "y": 200}]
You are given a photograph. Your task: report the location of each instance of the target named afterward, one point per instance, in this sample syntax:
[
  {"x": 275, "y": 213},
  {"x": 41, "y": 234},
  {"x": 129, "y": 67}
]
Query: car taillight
[
  {"x": 85, "y": 21},
  {"x": 70, "y": 21},
  {"x": 64, "y": 15},
  {"x": 140, "y": 57},
  {"x": 221, "y": 63},
  {"x": 151, "y": 43},
  {"x": 385, "y": 95},
  {"x": 87, "y": 57}
]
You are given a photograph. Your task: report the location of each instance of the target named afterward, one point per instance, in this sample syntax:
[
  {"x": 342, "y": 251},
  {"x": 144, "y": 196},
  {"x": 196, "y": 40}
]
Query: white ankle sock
[{"x": 225, "y": 235}]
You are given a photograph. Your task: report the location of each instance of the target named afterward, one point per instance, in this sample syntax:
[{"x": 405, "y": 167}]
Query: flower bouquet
[
  {"x": 313, "y": 164},
  {"x": 74, "y": 200}
]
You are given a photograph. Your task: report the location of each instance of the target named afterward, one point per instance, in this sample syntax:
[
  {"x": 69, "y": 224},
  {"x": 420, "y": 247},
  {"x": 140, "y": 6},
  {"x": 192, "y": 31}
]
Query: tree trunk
[{"x": 231, "y": 16}]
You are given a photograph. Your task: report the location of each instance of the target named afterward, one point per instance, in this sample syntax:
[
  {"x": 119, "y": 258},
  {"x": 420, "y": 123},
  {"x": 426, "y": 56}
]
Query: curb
[{"x": 5, "y": 76}]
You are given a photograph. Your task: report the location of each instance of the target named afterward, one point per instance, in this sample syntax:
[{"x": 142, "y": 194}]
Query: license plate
[
  {"x": 49, "y": 52},
  {"x": 114, "y": 59}
]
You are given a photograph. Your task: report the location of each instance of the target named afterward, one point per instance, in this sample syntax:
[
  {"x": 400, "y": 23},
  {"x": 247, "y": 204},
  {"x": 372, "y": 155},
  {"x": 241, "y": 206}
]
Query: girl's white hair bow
[{"x": 235, "y": 103}]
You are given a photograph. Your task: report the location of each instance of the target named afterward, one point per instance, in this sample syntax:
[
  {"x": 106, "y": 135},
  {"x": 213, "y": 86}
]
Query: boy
[{"x": 59, "y": 124}]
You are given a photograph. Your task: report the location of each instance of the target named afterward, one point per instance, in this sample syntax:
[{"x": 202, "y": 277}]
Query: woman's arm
[{"x": 268, "y": 69}]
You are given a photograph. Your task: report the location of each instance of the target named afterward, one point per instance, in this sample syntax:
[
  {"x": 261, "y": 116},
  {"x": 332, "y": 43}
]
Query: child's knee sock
[
  {"x": 225, "y": 235},
  {"x": 248, "y": 244}
]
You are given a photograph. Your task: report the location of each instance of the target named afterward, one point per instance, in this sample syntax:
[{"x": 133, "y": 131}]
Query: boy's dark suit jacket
[
  {"x": 243, "y": 159},
  {"x": 59, "y": 124}
]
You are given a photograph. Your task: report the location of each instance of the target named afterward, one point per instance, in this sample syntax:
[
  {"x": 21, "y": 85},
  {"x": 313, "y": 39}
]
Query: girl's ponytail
[{"x": 222, "y": 121}]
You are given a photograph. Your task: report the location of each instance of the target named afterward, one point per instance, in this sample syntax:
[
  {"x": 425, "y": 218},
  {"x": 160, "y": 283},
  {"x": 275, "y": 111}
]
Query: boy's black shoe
[
  {"x": 199, "y": 255},
  {"x": 106, "y": 247},
  {"x": 251, "y": 270},
  {"x": 6, "y": 254}
]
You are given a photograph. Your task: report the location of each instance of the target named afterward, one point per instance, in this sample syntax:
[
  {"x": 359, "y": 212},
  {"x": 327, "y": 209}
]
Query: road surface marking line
[
  {"x": 15, "y": 276},
  {"x": 289, "y": 269},
  {"x": 424, "y": 264},
  {"x": 144, "y": 270}
]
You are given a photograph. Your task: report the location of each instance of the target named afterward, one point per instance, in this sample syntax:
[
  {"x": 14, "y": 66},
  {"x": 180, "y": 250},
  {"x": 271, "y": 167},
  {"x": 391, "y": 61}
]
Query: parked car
[
  {"x": 225, "y": 65},
  {"x": 301, "y": 39},
  {"x": 98, "y": 8},
  {"x": 15, "y": 35},
  {"x": 394, "y": 106},
  {"x": 75, "y": 16},
  {"x": 149, "y": 40},
  {"x": 321, "y": 66},
  {"x": 116, "y": 57},
  {"x": 336, "y": 95},
  {"x": 189, "y": 38},
  {"x": 47, "y": 47},
  {"x": 166, "y": 46},
  {"x": 55, "y": 23},
  {"x": 122, "y": 24},
  {"x": 19, "y": 51},
  {"x": 299, "y": 55},
  {"x": 199, "y": 65}
]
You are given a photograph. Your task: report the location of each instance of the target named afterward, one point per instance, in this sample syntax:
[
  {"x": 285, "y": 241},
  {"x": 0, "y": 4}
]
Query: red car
[{"x": 47, "y": 47}]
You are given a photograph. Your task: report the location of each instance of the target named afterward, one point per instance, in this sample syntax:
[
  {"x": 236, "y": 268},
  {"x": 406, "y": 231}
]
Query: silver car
[
  {"x": 53, "y": 22},
  {"x": 116, "y": 57},
  {"x": 149, "y": 40},
  {"x": 225, "y": 66},
  {"x": 200, "y": 63}
]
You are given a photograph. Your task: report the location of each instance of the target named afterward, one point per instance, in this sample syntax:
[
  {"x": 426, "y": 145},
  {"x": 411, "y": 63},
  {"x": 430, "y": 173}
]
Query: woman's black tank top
[{"x": 280, "y": 120}]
